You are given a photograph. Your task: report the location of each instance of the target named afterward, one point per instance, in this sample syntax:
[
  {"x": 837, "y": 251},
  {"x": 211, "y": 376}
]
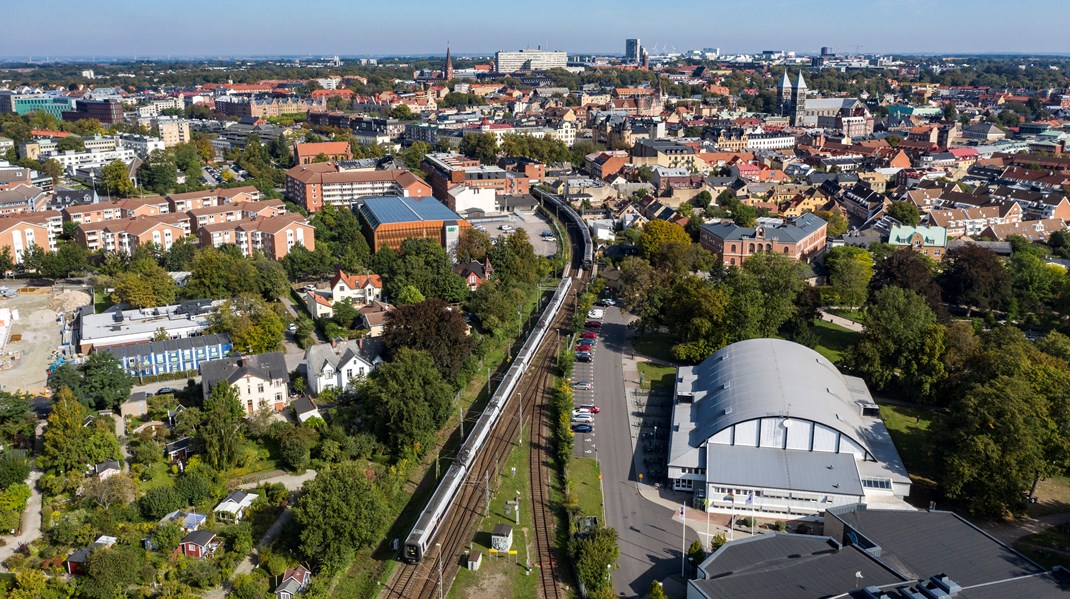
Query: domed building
[{"x": 771, "y": 426}]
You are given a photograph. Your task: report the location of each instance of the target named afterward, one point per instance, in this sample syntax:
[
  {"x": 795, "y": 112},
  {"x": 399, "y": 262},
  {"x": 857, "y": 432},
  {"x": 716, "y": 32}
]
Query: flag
[
  {"x": 750, "y": 498},
  {"x": 730, "y": 497},
  {"x": 681, "y": 511}
]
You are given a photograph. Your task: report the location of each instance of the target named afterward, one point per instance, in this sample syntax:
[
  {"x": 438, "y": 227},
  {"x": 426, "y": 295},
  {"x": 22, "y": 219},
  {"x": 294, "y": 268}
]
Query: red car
[
  {"x": 589, "y": 335},
  {"x": 593, "y": 324}
]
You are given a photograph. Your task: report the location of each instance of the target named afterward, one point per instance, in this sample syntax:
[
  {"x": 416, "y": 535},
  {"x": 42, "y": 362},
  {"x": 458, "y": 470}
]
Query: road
[{"x": 649, "y": 538}]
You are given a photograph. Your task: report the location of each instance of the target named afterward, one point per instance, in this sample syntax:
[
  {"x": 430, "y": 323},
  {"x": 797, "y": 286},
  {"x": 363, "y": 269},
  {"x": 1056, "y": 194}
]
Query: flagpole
[{"x": 707, "y": 506}]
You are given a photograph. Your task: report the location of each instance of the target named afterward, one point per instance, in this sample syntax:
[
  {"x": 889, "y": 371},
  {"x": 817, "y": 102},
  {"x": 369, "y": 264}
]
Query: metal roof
[
  {"x": 767, "y": 467},
  {"x": 389, "y": 210}
]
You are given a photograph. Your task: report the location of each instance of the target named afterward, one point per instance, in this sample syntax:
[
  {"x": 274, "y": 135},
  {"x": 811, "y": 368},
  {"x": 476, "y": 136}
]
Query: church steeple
[
  {"x": 800, "y": 83},
  {"x": 447, "y": 71}
]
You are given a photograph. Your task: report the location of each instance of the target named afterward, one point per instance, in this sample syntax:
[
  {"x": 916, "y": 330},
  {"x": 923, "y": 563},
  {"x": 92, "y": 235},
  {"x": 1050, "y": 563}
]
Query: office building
[
  {"x": 27, "y": 103},
  {"x": 633, "y": 50},
  {"x": 800, "y": 238},
  {"x": 108, "y": 112},
  {"x": 124, "y": 327},
  {"x": 530, "y": 60},
  {"x": 389, "y": 221},
  {"x": 446, "y": 171}
]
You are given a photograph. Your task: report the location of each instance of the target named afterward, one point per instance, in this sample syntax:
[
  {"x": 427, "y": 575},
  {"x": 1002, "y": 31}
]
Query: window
[
  {"x": 876, "y": 483},
  {"x": 260, "y": 388}
]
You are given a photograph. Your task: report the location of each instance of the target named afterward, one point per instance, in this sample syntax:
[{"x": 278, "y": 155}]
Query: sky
[{"x": 145, "y": 28}]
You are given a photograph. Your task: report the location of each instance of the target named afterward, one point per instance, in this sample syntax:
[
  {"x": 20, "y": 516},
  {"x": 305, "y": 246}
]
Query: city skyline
[{"x": 249, "y": 29}]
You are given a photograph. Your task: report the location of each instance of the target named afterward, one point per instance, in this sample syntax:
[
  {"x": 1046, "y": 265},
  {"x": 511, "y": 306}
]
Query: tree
[
  {"x": 409, "y": 400},
  {"x": 339, "y": 512},
  {"x": 68, "y": 258},
  {"x": 975, "y": 277},
  {"x": 657, "y": 233},
  {"x": 111, "y": 570},
  {"x": 837, "y": 223},
  {"x": 271, "y": 281},
  {"x": 160, "y": 501},
  {"x": 495, "y": 305},
  {"x": 472, "y": 244},
  {"x": 1034, "y": 283},
  {"x": 166, "y": 537},
  {"x": 592, "y": 553},
  {"x": 220, "y": 272},
  {"x": 402, "y": 112},
  {"x": 950, "y": 113},
  {"x": 744, "y": 215},
  {"x": 53, "y": 168},
  {"x": 72, "y": 443},
  {"x": 762, "y": 295},
  {"x": 905, "y": 212},
  {"x": 145, "y": 285},
  {"x": 480, "y": 146},
  {"x": 115, "y": 179},
  {"x": 159, "y": 172},
  {"x": 413, "y": 155},
  {"x": 431, "y": 326},
  {"x": 116, "y": 489},
  {"x": 656, "y": 591},
  {"x": 221, "y": 429},
  {"x": 703, "y": 199},
  {"x": 637, "y": 278},
  {"x": 698, "y": 318},
  {"x": 907, "y": 269},
  {"x": 104, "y": 382},
  {"x": 695, "y": 553},
  {"x": 409, "y": 294},
  {"x": 14, "y": 468},
  {"x": 253, "y": 325},
  {"x": 993, "y": 447},
  {"x": 849, "y": 271},
  {"x": 902, "y": 341}
]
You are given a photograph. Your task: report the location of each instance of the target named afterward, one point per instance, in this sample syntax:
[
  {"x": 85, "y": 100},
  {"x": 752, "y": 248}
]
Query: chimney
[{"x": 334, "y": 342}]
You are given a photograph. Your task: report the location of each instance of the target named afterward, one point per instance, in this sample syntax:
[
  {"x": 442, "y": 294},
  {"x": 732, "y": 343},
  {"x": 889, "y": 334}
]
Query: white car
[
  {"x": 309, "y": 288},
  {"x": 596, "y": 313},
  {"x": 506, "y": 228}
]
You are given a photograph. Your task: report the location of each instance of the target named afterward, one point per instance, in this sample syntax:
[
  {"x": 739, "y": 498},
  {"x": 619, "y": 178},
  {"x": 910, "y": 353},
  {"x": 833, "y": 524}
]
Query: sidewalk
[{"x": 839, "y": 320}]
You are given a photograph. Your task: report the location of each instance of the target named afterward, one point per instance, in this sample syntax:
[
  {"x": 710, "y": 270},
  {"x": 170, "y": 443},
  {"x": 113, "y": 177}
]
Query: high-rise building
[
  {"x": 633, "y": 50},
  {"x": 826, "y": 51},
  {"x": 530, "y": 60}
]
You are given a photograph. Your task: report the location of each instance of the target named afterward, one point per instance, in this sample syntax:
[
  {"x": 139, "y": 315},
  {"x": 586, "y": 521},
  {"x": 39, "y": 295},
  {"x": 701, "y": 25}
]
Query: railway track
[{"x": 422, "y": 580}]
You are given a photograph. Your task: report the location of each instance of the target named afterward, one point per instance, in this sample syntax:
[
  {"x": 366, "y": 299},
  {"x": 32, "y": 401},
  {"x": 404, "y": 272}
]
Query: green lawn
[
  {"x": 655, "y": 345},
  {"x": 583, "y": 473},
  {"x": 656, "y": 377},
  {"x": 833, "y": 339},
  {"x": 504, "y": 576},
  {"x": 909, "y": 428},
  {"x": 855, "y": 315},
  {"x": 1049, "y": 548}
]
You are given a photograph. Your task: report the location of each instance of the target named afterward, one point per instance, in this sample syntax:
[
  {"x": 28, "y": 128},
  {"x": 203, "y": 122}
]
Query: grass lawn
[
  {"x": 504, "y": 576},
  {"x": 160, "y": 476},
  {"x": 909, "y": 428},
  {"x": 1049, "y": 548},
  {"x": 655, "y": 345},
  {"x": 855, "y": 315},
  {"x": 583, "y": 473},
  {"x": 1053, "y": 497},
  {"x": 833, "y": 339},
  {"x": 655, "y": 377}
]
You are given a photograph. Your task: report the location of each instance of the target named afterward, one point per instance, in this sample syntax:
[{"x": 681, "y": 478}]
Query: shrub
[{"x": 159, "y": 502}]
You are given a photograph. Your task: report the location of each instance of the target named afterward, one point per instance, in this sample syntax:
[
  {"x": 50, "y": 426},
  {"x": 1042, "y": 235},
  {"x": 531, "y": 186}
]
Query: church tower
[
  {"x": 783, "y": 94},
  {"x": 798, "y": 100},
  {"x": 447, "y": 71}
]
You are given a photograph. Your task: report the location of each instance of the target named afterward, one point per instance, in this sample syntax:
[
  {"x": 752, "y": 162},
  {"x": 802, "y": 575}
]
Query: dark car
[
  {"x": 593, "y": 324},
  {"x": 582, "y": 428},
  {"x": 583, "y": 356}
]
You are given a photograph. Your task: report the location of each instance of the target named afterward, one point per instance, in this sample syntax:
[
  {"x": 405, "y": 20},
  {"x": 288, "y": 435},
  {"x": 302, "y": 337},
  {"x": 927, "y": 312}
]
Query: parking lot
[{"x": 531, "y": 222}]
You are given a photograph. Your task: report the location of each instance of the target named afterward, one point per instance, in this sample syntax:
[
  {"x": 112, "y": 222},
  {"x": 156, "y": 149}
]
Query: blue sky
[{"x": 258, "y": 27}]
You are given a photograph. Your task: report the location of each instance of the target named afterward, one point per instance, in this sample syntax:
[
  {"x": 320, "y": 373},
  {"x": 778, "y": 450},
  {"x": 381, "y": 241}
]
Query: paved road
[
  {"x": 843, "y": 322},
  {"x": 649, "y": 539}
]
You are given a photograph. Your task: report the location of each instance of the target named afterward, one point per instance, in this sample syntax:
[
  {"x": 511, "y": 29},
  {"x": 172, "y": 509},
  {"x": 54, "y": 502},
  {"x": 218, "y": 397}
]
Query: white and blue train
[{"x": 427, "y": 525}]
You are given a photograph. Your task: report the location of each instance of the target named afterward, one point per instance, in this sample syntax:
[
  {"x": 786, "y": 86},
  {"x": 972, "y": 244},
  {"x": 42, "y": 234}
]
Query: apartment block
[{"x": 314, "y": 185}]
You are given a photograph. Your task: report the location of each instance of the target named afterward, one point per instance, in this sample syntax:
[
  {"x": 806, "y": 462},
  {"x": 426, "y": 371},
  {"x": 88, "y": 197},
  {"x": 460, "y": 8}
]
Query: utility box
[
  {"x": 501, "y": 539},
  {"x": 475, "y": 559}
]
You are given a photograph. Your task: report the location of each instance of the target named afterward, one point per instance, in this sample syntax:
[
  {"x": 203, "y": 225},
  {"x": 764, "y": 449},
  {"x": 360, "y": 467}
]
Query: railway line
[{"x": 431, "y": 552}]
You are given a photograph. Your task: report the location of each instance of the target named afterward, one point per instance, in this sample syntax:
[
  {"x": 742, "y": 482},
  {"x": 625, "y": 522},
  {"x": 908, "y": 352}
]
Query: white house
[
  {"x": 360, "y": 290},
  {"x": 463, "y": 199},
  {"x": 261, "y": 380},
  {"x": 233, "y": 506},
  {"x": 334, "y": 365}
]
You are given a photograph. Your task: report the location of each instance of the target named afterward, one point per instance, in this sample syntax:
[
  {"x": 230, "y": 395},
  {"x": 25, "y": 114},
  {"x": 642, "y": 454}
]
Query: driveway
[{"x": 31, "y": 520}]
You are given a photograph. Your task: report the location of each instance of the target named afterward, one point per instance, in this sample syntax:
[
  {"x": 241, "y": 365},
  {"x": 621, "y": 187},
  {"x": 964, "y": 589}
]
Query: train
[{"x": 427, "y": 526}]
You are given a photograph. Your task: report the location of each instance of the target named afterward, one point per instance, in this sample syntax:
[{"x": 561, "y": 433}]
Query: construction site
[{"x": 34, "y": 328}]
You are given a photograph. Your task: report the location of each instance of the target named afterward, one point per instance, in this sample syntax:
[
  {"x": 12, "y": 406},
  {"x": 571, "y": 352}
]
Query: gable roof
[
  {"x": 337, "y": 355},
  {"x": 269, "y": 366},
  {"x": 357, "y": 281}
]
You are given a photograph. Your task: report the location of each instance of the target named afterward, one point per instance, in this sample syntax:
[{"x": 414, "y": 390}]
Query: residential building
[
  {"x": 984, "y": 132},
  {"x": 448, "y": 170},
  {"x": 273, "y": 236},
  {"x": 142, "y": 145},
  {"x": 106, "y": 469},
  {"x": 863, "y": 203},
  {"x": 773, "y": 426},
  {"x": 187, "y": 521},
  {"x": 261, "y": 380},
  {"x": 185, "y": 354},
  {"x": 89, "y": 160},
  {"x": 930, "y": 241},
  {"x": 233, "y": 506},
  {"x": 801, "y": 239},
  {"x": 231, "y": 212},
  {"x": 76, "y": 563},
  {"x": 337, "y": 364},
  {"x": 304, "y": 409},
  {"x": 971, "y": 221},
  {"x": 260, "y": 108},
  {"x": 667, "y": 153},
  {"x": 360, "y": 290},
  {"x": 474, "y": 273},
  {"x": 14, "y": 176},
  {"x": 472, "y": 202},
  {"x": 21, "y": 231},
  {"x": 124, "y": 327},
  {"x": 22, "y": 199},
  {"x": 123, "y": 235},
  {"x": 1033, "y": 230},
  {"x": 388, "y": 221},
  {"x": 294, "y": 582},
  {"x": 199, "y": 544},
  {"x": 172, "y": 130},
  {"x": 307, "y": 153},
  {"x": 314, "y": 185},
  {"x": 373, "y": 317},
  {"x": 529, "y": 60},
  {"x": 184, "y": 202}
]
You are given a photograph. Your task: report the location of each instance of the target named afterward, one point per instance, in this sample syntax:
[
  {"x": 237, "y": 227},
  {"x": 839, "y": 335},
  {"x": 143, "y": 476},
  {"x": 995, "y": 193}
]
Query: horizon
[{"x": 202, "y": 29}]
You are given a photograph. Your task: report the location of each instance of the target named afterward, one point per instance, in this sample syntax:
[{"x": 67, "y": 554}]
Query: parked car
[
  {"x": 589, "y": 335},
  {"x": 582, "y": 428},
  {"x": 607, "y": 302},
  {"x": 590, "y": 407},
  {"x": 309, "y": 288},
  {"x": 580, "y": 412},
  {"x": 506, "y": 228},
  {"x": 582, "y": 418},
  {"x": 583, "y": 356},
  {"x": 593, "y": 324},
  {"x": 292, "y": 328},
  {"x": 166, "y": 391},
  {"x": 596, "y": 313},
  {"x": 583, "y": 385},
  {"x": 583, "y": 348}
]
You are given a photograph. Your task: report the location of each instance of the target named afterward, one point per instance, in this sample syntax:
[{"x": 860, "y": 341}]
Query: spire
[
  {"x": 447, "y": 71},
  {"x": 785, "y": 83},
  {"x": 800, "y": 83}
]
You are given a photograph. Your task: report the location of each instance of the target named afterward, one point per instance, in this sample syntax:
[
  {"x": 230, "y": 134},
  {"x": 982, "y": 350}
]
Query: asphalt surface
[{"x": 649, "y": 538}]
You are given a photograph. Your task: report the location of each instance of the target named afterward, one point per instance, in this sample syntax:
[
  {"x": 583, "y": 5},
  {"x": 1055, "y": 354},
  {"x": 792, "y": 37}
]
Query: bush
[
  {"x": 777, "y": 526},
  {"x": 159, "y": 502},
  {"x": 802, "y": 528}
]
